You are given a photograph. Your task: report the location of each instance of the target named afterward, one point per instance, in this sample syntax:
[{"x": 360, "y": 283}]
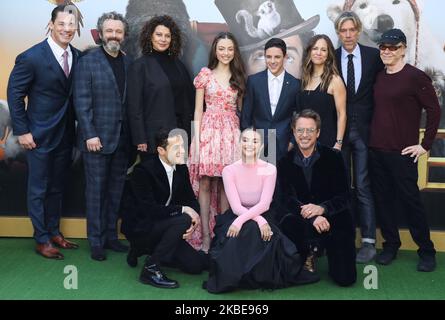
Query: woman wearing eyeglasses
[{"x": 324, "y": 90}]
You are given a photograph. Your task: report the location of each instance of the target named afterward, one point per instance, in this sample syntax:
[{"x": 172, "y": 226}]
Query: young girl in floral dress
[{"x": 219, "y": 88}]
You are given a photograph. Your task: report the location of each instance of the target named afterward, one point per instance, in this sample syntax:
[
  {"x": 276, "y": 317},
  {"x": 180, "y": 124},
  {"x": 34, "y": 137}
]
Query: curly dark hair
[{"x": 149, "y": 28}]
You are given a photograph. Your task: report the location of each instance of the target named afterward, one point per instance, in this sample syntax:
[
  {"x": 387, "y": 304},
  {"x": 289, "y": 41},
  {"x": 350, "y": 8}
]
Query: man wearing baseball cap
[{"x": 401, "y": 92}]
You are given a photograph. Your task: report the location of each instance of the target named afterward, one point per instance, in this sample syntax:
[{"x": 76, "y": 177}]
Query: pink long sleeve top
[{"x": 249, "y": 189}]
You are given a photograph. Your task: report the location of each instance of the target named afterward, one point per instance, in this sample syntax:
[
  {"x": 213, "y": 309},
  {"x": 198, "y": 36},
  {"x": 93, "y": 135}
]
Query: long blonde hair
[{"x": 330, "y": 66}]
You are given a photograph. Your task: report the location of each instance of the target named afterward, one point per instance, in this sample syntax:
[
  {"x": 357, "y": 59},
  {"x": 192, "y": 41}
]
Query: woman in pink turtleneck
[{"x": 248, "y": 250}]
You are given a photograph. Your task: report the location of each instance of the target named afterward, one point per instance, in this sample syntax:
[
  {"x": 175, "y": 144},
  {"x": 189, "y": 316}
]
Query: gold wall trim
[{"x": 76, "y": 228}]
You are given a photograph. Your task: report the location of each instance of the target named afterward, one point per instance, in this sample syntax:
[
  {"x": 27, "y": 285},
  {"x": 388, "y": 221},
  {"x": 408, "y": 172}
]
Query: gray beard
[{"x": 112, "y": 46}]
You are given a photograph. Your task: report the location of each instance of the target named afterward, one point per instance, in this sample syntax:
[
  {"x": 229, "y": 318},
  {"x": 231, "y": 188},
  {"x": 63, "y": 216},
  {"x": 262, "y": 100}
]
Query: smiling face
[
  {"x": 225, "y": 51},
  {"x": 112, "y": 35},
  {"x": 275, "y": 60},
  {"x": 392, "y": 58},
  {"x": 319, "y": 52},
  {"x": 251, "y": 145},
  {"x": 161, "y": 38},
  {"x": 63, "y": 28},
  {"x": 256, "y": 60},
  {"x": 306, "y": 133}
]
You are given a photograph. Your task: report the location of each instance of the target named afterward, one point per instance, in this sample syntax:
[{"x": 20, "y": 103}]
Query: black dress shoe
[
  {"x": 132, "y": 257},
  {"x": 98, "y": 254},
  {"x": 306, "y": 277},
  {"x": 152, "y": 275},
  {"x": 115, "y": 245},
  {"x": 386, "y": 257},
  {"x": 426, "y": 264}
]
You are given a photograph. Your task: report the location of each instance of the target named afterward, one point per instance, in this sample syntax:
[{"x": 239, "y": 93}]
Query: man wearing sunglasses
[{"x": 400, "y": 93}]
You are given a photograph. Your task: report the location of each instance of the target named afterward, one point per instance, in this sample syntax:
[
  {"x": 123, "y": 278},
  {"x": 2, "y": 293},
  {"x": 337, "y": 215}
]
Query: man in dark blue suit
[
  {"x": 271, "y": 98},
  {"x": 45, "y": 127},
  {"x": 99, "y": 100},
  {"x": 358, "y": 65}
]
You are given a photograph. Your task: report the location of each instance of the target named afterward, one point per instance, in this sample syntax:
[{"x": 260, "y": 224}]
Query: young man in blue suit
[
  {"x": 358, "y": 66},
  {"x": 271, "y": 98},
  {"x": 100, "y": 103},
  {"x": 45, "y": 126}
]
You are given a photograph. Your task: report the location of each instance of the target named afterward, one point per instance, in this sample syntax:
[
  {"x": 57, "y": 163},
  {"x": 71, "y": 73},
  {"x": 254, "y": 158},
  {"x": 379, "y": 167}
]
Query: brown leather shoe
[
  {"x": 48, "y": 251},
  {"x": 61, "y": 242}
]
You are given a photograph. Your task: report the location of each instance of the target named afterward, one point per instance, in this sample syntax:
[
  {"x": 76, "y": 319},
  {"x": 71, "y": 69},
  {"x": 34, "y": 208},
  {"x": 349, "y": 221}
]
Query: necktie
[
  {"x": 66, "y": 67},
  {"x": 306, "y": 162},
  {"x": 351, "y": 76}
]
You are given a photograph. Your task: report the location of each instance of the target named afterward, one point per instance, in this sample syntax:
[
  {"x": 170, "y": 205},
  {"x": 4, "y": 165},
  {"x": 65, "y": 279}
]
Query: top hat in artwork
[{"x": 254, "y": 22}]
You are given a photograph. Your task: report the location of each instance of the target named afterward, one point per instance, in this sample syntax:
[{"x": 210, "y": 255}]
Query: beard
[{"x": 112, "y": 45}]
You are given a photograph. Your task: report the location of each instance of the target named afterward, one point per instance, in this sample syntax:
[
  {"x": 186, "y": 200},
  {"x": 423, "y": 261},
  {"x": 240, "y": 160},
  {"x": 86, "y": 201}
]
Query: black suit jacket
[
  {"x": 361, "y": 106},
  {"x": 49, "y": 115},
  {"x": 151, "y": 104},
  {"x": 257, "y": 112},
  {"x": 149, "y": 193},
  {"x": 328, "y": 187}
]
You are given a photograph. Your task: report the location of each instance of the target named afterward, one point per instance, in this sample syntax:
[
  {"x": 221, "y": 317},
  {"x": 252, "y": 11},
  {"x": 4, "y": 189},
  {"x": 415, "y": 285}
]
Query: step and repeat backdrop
[{"x": 23, "y": 24}]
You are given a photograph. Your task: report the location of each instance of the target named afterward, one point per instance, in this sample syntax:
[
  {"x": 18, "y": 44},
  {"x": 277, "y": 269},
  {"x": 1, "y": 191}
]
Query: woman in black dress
[
  {"x": 160, "y": 90},
  {"x": 248, "y": 250},
  {"x": 324, "y": 90}
]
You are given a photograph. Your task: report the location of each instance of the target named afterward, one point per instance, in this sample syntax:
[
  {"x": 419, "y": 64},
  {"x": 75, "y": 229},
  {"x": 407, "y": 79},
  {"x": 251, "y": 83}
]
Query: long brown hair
[
  {"x": 330, "y": 66},
  {"x": 149, "y": 28},
  {"x": 238, "y": 74}
]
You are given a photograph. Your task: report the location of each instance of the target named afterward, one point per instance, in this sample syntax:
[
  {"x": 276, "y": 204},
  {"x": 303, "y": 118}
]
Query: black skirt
[{"x": 247, "y": 261}]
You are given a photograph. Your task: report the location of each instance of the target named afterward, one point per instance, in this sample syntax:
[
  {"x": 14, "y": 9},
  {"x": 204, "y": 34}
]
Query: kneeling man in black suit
[
  {"x": 165, "y": 213},
  {"x": 315, "y": 199}
]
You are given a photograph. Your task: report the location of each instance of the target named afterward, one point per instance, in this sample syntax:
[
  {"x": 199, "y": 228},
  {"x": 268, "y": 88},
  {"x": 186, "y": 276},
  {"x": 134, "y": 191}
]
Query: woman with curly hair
[
  {"x": 220, "y": 87},
  {"x": 324, "y": 90},
  {"x": 160, "y": 90}
]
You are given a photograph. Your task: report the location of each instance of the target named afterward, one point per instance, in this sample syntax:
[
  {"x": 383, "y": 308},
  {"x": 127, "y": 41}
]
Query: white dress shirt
[
  {"x": 58, "y": 52},
  {"x": 169, "y": 170},
  {"x": 275, "y": 85},
  {"x": 357, "y": 60}
]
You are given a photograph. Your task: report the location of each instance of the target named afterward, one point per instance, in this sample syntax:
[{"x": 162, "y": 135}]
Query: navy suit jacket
[
  {"x": 99, "y": 106},
  {"x": 38, "y": 76},
  {"x": 361, "y": 106},
  {"x": 256, "y": 109}
]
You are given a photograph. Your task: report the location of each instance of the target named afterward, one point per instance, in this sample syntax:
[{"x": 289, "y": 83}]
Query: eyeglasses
[
  {"x": 383, "y": 47},
  {"x": 309, "y": 131}
]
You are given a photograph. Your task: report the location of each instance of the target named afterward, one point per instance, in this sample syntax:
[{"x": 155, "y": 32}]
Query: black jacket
[
  {"x": 149, "y": 191},
  {"x": 328, "y": 187}
]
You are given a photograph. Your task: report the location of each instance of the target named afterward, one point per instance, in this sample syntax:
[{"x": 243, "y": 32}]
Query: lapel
[
  {"x": 163, "y": 179},
  {"x": 106, "y": 68},
  {"x": 339, "y": 63},
  {"x": 283, "y": 94},
  {"x": 264, "y": 90},
  {"x": 53, "y": 64},
  {"x": 364, "y": 67}
]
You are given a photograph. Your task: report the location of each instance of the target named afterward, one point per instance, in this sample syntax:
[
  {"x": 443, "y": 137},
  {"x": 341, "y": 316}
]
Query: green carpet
[{"x": 26, "y": 275}]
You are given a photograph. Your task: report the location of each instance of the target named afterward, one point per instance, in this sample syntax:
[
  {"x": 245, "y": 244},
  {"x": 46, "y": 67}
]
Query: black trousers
[
  {"x": 166, "y": 247},
  {"x": 339, "y": 243},
  {"x": 394, "y": 176},
  {"x": 357, "y": 151}
]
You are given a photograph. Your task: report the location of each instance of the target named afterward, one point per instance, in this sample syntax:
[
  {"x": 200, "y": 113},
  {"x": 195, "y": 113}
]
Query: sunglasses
[{"x": 383, "y": 47}]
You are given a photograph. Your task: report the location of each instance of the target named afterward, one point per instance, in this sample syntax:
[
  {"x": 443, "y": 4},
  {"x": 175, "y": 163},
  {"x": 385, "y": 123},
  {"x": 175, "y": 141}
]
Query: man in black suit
[
  {"x": 164, "y": 215},
  {"x": 271, "y": 98},
  {"x": 314, "y": 198},
  {"x": 45, "y": 126},
  {"x": 358, "y": 66},
  {"x": 103, "y": 136}
]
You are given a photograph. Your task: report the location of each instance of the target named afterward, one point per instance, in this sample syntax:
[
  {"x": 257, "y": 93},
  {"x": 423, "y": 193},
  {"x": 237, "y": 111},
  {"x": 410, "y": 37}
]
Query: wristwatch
[{"x": 339, "y": 141}]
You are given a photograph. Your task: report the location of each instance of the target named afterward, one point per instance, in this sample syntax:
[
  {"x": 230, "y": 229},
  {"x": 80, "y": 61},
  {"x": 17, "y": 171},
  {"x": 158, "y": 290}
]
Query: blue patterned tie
[{"x": 351, "y": 76}]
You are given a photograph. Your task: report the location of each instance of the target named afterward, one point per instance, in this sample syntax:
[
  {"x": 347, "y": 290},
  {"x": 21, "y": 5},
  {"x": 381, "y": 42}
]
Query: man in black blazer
[
  {"x": 45, "y": 126},
  {"x": 271, "y": 98},
  {"x": 103, "y": 137},
  {"x": 162, "y": 214},
  {"x": 358, "y": 65},
  {"x": 314, "y": 198}
]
